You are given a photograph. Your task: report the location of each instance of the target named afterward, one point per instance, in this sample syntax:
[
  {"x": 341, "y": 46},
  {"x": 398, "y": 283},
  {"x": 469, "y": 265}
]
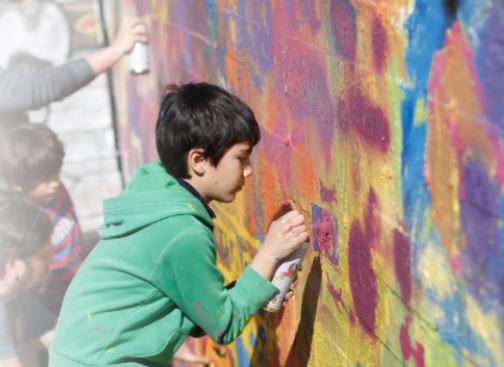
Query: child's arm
[
  {"x": 104, "y": 58},
  {"x": 191, "y": 279}
]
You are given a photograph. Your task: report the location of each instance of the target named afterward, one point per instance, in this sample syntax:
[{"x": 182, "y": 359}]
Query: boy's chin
[
  {"x": 45, "y": 199},
  {"x": 227, "y": 199}
]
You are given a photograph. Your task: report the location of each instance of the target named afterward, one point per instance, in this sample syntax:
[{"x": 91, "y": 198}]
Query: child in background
[
  {"x": 32, "y": 156},
  {"x": 152, "y": 280},
  {"x": 24, "y": 258}
]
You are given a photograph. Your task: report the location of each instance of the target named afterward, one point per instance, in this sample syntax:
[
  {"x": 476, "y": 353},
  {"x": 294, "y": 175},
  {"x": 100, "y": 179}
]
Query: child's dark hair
[
  {"x": 31, "y": 153},
  {"x": 201, "y": 115},
  {"x": 24, "y": 228}
]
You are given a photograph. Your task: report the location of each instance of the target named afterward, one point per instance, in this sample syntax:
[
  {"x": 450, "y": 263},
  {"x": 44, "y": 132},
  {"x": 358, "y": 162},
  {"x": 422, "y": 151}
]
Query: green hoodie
[{"x": 151, "y": 282}]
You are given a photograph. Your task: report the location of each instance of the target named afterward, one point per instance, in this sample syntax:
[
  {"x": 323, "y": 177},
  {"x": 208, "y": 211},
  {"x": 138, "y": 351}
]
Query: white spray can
[
  {"x": 139, "y": 56},
  {"x": 284, "y": 276}
]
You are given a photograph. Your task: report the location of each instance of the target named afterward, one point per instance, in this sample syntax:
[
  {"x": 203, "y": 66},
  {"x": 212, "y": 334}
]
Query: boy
[
  {"x": 32, "y": 156},
  {"x": 152, "y": 280},
  {"x": 24, "y": 257}
]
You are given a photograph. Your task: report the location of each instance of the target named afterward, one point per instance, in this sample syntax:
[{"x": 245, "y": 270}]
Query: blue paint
[
  {"x": 454, "y": 329},
  {"x": 471, "y": 13},
  {"x": 416, "y": 197},
  {"x": 241, "y": 353},
  {"x": 426, "y": 29},
  {"x": 219, "y": 53}
]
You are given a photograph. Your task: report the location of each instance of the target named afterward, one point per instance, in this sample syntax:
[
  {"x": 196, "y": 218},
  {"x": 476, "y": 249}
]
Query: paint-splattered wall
[{"x": 384, "y": 120}]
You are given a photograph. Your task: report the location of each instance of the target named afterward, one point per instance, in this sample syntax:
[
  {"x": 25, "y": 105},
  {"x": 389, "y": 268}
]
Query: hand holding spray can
[
  {"x": 287, "y": 269},
  {"x": 284, "y": 276},
  {"x": 139, "y": 57}
]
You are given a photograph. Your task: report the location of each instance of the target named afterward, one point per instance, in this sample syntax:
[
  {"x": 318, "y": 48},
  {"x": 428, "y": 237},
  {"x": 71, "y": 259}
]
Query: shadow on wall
[{"x": 299, "y": 354}]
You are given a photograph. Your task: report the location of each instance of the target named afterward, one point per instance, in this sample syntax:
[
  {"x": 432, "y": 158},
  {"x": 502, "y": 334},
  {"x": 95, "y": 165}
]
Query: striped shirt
[{"x": 67, "y": 242}]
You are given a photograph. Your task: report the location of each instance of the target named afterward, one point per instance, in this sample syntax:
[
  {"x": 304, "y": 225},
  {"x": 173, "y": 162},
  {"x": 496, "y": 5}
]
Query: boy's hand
[{"x": 285, "y": 235}]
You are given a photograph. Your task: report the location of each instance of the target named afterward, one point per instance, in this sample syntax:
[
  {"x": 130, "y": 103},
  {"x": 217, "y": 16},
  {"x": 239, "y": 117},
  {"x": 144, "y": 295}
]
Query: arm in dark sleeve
[
  {"x": 25, "y": 87},
  {"x": 191, "y": 279}
]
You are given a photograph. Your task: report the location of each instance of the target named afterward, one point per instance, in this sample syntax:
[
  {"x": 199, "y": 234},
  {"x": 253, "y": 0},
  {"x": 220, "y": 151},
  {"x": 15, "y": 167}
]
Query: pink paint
[
  {"x": 407, "y": 349},
  {"x": 303, "y": 86},
  {"x": 362, "y": 277},
  {"x": 356, "y": 112},
  {"x": 380, "y": 45},
  {"x": 402, "y": 265},
  {"x": 455, "y": 264},
  {"x": 325, "y": 234}
]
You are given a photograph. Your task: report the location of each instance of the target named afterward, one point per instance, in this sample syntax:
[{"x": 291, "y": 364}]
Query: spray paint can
[
  {"x": 284, "y": 276},
  {"x": 139, "y": 57}
]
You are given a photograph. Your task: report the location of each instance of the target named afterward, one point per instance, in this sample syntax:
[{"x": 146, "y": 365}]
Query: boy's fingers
[
  {"x": 289, "y": 216},
  {"x": 298, "y": 230},
  {"x": 297, "y": 220},
  {"x": 288, "y": 295}
]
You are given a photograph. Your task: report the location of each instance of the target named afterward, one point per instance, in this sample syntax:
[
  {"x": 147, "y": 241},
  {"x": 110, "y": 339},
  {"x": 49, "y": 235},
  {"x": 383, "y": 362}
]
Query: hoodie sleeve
[
  {"x": 191, "y": 279},
  {"x": 25, "y": 88}
]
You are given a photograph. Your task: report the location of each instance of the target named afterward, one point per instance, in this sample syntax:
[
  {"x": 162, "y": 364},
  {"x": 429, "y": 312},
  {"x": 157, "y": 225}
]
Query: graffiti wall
[{"x": 384, "y": 121}]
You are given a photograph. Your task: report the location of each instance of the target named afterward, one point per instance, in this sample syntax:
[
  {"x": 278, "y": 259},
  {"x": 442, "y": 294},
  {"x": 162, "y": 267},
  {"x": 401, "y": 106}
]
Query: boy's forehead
[{"x": 243, "y": 147}]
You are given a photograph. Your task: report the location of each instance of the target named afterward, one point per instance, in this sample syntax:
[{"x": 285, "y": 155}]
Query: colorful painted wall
[{"x": 384, "y": 121}]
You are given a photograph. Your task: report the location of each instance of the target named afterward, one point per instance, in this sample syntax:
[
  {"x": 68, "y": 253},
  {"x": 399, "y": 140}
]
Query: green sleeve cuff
[{"x": 253, "y": 291}]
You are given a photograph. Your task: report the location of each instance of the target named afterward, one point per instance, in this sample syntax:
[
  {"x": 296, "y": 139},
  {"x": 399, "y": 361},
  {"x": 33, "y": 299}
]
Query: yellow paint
[
  {"x": 432, "y": 268},
  {"x": 487, "y": 326}
]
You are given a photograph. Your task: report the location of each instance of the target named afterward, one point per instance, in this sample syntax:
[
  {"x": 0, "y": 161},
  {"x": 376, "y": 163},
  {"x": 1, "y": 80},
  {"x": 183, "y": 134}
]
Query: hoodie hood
[{"x": 152, "y": 195}]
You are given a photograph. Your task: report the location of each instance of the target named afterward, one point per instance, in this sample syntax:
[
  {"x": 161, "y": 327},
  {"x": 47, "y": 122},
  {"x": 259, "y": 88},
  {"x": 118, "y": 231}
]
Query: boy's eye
[{"x": 244, "y": 159}]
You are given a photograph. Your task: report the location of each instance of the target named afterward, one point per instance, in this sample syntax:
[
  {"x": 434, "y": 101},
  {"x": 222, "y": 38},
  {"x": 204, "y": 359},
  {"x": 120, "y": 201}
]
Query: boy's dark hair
[
  {"x": 24, "y": 228},
  {"x": 201, "y": 115},
  {"x": 31, "y": 153}
]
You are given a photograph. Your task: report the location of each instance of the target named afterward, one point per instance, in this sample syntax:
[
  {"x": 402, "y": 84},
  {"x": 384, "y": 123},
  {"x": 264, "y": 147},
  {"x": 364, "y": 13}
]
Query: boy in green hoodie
[{"x": 152, "y": 280}]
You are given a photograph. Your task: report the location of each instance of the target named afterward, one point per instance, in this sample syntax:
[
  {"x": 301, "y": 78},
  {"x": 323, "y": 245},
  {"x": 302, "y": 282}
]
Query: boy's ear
[
  {"x": 15, "y": 269},
  {"x": 197, "y": 162}
]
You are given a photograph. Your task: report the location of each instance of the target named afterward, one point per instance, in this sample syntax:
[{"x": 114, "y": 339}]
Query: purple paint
[
  {"x": 380, "y": 45},
  {"x": 482, "y": 257},
  {"x": 327, "y": 195},
  {"x": 367, "y": 120},
  {"x": 490, "y": 62},
  {"x": 325, "y": 234},
  {"x": 254, "y": 37},
  {"x": 362, "y": 277},
  {"x": 345, "y": 31},
  {"x": 402, "y": 265},
  {"x": 304, "y": 12}
]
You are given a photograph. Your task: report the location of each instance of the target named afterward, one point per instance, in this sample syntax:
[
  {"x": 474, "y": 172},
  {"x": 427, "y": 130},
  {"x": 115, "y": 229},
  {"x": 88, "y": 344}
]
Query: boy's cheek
[{"x": 43, "y": 195}]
